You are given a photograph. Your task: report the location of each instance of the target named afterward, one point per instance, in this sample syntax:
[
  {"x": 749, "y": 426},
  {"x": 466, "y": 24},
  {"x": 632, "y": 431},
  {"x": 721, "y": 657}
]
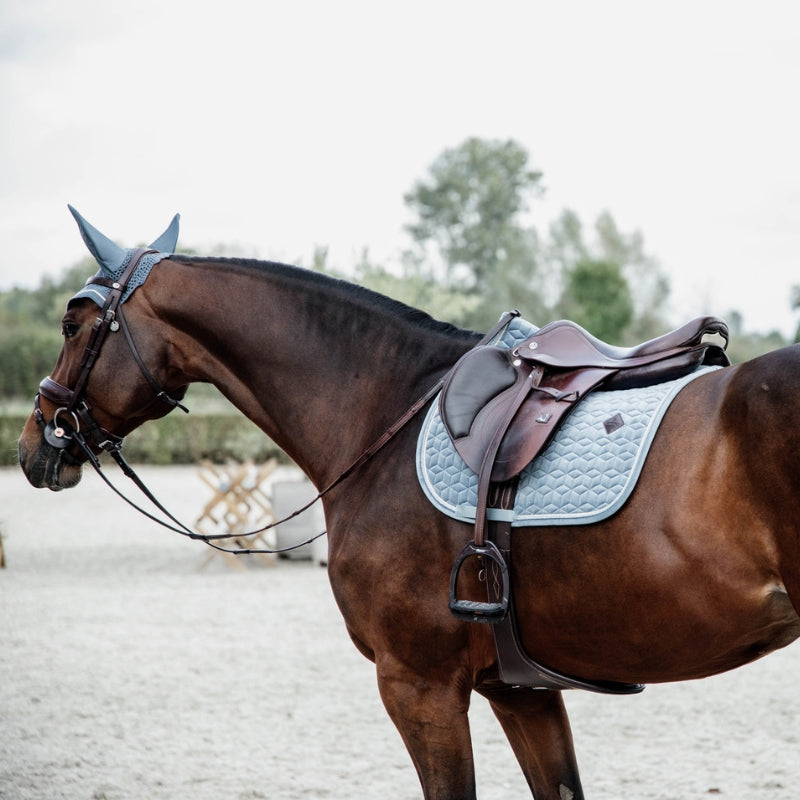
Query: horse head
[{"x": 90, "y": 403}]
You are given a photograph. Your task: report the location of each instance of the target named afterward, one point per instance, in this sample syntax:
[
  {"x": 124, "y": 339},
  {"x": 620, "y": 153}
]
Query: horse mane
[{"x": 362, "y": 294}]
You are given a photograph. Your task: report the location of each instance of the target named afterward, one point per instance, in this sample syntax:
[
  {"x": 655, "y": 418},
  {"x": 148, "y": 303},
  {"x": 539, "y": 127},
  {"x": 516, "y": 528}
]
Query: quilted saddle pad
[{"x": 585, "y": 475}]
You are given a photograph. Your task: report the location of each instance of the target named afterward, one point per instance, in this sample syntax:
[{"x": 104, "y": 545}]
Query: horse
[{"x": 697, "y": 573}]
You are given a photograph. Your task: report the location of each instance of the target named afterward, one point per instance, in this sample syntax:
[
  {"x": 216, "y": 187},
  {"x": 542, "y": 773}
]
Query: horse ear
[
  {"x": 108, "y": 254},
  {"x": 167, "y": 241}
]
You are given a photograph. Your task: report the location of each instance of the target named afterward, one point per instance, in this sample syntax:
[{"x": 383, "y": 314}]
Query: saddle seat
[{"x": 564, "y": 344}]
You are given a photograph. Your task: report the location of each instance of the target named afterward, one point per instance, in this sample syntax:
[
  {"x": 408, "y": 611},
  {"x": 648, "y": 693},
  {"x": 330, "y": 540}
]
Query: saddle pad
[{"x": 585, "y": 475}]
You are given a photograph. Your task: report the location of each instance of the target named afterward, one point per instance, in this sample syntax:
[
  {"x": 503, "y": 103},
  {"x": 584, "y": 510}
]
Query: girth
[{"x": 514, "y": 665}]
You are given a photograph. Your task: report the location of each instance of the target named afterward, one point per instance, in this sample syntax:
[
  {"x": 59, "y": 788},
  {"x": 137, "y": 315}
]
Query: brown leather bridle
[{"x": 73, "y": 423}]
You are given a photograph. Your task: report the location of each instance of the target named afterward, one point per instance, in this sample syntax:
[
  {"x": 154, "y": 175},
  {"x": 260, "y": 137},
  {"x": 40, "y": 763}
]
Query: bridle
[
  {"x": 73, "y": 423},
  {"x": 78, "y": 425}
]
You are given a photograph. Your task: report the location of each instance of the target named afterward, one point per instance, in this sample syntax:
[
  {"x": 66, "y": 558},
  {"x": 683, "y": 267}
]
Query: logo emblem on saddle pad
[{"x": 614, "y": 423}]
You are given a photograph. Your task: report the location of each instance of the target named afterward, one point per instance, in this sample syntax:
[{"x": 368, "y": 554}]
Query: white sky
[{"x": 276, "y": 126}]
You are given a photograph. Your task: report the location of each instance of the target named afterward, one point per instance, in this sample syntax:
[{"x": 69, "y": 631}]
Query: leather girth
[{"x": 515, "y": 666}]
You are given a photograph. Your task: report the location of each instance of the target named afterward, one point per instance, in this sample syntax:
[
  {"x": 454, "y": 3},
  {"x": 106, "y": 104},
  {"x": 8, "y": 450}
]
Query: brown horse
[{"x": 698, "y": 573}]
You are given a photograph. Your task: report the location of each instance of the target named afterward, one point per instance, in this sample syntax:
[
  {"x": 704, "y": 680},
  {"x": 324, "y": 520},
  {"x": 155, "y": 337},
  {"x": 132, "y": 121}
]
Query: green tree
[
  {"x": 637, "y": 288},
  {"x": 469, "y": 232},
  {"x": 408, "y": 283},
  {"x": 469, "y": 210},
  {"x": 648, "y": 284},
  {"x": 597, "y": 296}
]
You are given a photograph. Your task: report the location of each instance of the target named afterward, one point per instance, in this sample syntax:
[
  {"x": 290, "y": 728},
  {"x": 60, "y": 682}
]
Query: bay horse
[{"x": 698, "y": 573}]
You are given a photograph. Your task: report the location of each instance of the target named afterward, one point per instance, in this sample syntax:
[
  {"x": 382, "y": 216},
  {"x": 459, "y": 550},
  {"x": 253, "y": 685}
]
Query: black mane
[{"x": 413, "y": 315}]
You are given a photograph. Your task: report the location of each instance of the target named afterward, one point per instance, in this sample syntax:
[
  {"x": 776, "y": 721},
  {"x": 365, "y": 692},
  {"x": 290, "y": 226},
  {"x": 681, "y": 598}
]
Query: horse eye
[{"x": 69, "y": 329}]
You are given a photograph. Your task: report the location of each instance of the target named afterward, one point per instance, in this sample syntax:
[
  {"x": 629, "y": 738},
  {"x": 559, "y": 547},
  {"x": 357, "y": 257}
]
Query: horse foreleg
[
  {"x": 432, "y": 720},
  {"x": 537, "y": 727}
]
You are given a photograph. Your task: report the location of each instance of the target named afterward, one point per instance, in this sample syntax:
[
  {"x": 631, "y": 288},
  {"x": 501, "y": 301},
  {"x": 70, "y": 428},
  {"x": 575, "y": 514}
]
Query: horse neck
[{"x": 321, "y": 366}]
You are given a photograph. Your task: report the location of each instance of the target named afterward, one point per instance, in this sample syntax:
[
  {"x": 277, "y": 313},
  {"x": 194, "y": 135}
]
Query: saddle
[{"x": 502, "y": 407}]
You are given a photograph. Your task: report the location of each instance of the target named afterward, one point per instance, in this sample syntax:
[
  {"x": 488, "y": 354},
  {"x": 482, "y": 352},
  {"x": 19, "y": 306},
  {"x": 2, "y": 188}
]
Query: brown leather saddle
[{"x": 502, "y": 407}]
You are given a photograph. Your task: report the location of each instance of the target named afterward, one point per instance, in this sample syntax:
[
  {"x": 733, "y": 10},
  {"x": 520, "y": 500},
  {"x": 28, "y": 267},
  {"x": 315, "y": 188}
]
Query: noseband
[{"x": 73, "y": 420}]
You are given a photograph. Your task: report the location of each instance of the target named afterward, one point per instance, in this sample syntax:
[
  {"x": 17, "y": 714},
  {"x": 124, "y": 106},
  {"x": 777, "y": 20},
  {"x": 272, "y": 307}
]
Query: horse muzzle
[{"x": 45, "y": 458}]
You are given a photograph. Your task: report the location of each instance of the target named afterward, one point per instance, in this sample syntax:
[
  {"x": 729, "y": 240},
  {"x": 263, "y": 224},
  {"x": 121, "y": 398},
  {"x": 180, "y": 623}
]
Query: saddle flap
[
  {"x": 539, "y": 417},
  {"x": 480, "y": 376}
]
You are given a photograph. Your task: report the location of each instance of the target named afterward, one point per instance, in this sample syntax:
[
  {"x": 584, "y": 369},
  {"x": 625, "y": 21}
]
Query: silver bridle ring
[{"x": 59, "y": 431}]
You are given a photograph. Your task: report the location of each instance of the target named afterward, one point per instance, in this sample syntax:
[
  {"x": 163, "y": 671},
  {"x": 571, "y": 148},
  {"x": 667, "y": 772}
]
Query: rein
[{"x": 72, "y": 403}]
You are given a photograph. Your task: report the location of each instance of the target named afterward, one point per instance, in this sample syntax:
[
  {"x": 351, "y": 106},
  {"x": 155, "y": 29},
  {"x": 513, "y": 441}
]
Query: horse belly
[
  {"x": 683, "y": 582},
  {"x": 602, "y": 603}
]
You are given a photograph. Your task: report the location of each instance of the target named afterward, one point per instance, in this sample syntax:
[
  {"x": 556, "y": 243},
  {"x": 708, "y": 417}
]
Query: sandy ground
[{"x": 129, "y": 674}]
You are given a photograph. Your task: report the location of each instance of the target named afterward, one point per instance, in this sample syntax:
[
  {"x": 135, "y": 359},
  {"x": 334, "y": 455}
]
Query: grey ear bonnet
[{"x": 113, "y": 259}]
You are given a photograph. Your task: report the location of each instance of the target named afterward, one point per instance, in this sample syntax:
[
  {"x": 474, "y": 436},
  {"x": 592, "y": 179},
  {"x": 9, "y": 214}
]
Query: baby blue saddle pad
[{"x": 586, "y": 473}]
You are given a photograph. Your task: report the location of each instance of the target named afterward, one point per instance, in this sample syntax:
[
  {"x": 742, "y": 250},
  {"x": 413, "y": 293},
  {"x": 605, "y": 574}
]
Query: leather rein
[{"x": 73, "y": 421}]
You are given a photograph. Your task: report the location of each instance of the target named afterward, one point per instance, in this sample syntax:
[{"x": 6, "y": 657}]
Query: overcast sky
[{"x": 276, "y": 127}]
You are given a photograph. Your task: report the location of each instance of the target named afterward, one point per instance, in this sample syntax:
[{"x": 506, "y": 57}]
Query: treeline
[{"x": 474, "y": 251}]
